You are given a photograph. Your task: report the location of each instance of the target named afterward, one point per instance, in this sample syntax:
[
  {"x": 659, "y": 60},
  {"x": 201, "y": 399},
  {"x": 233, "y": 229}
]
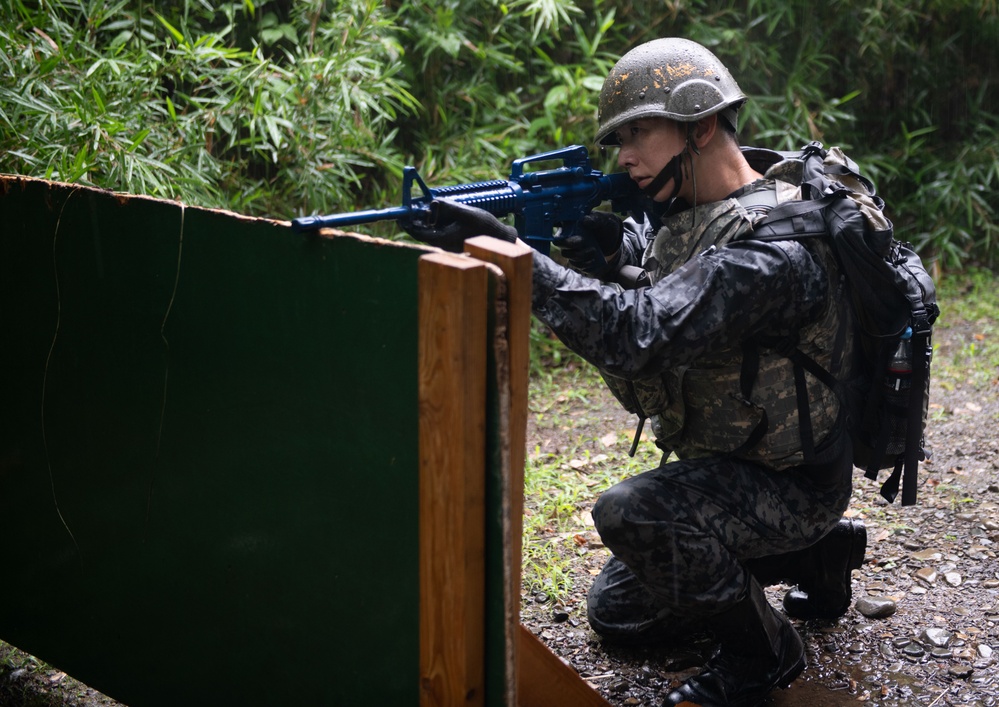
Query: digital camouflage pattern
[
  {"x": 680, "y": 534},
  {"x": 698, "y": 409}
]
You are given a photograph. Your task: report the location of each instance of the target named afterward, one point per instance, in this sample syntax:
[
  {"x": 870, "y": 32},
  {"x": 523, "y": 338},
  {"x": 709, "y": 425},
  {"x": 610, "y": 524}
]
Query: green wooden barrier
[
  {"x": 240, "y": 466},
  {"x": 208, "y": 453}
]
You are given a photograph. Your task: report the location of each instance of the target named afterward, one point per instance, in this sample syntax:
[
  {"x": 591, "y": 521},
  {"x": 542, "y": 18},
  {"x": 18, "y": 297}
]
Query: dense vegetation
[{"x": 279, "y": 108}]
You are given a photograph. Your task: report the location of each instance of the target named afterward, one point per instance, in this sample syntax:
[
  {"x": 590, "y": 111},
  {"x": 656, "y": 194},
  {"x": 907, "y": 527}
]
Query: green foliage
[
  {"x": 947, "y": 202},
  {"x": 281, "y": 108},
  {"x": 130, "y": 98}
]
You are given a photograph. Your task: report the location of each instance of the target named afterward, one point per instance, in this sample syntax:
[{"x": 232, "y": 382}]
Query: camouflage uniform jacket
[{"x": 675, "y": 351}]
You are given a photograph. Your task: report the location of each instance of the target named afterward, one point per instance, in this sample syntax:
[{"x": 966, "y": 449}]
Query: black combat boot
[
  {"x": 823, "y": 590},
  {"x": 821, "y": 572},
  {"x": 759, "y": 651}
]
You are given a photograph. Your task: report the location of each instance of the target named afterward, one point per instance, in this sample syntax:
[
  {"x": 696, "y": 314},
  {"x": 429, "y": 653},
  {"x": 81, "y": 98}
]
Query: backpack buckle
[{"x": 813, "y": 148}]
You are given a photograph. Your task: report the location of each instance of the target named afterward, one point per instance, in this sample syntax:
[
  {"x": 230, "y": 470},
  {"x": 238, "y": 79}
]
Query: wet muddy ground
[{"x": 935, "y": 562}]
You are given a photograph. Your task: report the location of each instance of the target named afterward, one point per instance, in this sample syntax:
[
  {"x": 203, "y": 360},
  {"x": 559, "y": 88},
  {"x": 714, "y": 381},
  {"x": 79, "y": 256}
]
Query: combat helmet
[{"x": 669, "y": 78}]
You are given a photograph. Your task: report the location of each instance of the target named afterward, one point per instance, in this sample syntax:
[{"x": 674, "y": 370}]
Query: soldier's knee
[
  {"x": 609, "y": 510},
  {"x": 599, "y": 617}
]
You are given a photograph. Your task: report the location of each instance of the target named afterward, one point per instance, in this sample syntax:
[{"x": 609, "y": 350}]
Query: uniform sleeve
[{"x": 712, "y": 303}]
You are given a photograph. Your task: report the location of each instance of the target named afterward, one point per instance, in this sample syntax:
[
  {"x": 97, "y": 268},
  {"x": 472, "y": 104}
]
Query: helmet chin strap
[{"x": 673, "y": 170}]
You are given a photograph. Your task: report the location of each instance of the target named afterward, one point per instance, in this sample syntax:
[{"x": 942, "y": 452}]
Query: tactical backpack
[{"x": 894, "y": 303}]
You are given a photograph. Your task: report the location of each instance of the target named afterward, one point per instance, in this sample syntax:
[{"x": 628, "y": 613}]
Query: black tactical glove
[
  {"x": 595, "y": 247},
  {"x": 449, "y": 223}
]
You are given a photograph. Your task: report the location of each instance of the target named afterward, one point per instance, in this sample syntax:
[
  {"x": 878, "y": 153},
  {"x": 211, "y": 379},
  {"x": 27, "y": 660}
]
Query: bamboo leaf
[
  {"x": 95, "y": 66},
  {"x": 97, "y": 99},
  {"x": 138, "y": 139},
  {"x": 171, "y": 29}
]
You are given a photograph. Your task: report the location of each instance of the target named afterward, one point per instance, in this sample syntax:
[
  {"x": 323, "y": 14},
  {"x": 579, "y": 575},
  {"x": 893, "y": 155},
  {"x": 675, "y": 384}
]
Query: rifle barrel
[{"x": 310, "y": 223}]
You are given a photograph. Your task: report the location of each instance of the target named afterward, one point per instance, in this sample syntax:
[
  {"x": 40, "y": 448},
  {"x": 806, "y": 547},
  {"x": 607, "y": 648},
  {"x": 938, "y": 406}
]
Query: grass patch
[
  {"x": 16, "y": 690},
  {"x": 567, "y": 403},
  {"x": 969, "y": 304}
]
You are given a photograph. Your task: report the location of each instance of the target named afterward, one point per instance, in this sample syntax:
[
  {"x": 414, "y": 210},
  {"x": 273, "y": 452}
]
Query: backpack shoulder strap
[{"x": 793, "y": 219}]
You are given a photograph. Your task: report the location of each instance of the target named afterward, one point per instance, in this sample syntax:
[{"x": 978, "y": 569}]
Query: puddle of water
[
  {"x": 898, "y": 690},
  {"x": 804, "y": 692}
]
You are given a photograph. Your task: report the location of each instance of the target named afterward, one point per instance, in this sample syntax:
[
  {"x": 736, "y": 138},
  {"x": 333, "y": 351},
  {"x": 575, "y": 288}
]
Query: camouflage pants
[{"x": 681, "y": 535}]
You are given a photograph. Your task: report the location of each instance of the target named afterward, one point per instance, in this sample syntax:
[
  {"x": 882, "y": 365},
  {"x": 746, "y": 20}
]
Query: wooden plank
[
  {"x": 541, "y": 679},
  {"x": 545, "y": 681},
  {"x": 516, "y": 262},
  {"x": 452, "y": 303}
]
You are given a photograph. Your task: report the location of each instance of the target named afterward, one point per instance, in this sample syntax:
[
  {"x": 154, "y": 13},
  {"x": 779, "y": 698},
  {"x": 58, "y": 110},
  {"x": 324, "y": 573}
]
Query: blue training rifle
[{"x": 540, "y": 201}]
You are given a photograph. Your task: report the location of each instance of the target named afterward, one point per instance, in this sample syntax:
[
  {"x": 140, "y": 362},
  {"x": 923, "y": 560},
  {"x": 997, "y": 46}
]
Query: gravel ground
[{"x": 934, "y": 562}]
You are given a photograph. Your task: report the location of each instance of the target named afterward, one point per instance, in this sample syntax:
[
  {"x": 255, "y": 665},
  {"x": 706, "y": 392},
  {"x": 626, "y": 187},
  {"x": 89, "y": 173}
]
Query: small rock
[
  {"x": 559, "y": 614},
  {"x": 927, "y": 574},
  {"x": 953, "y": 579},
  {"x": 961, "y": 671},
  {"x": 876, "y": 607},
  {"x": 927, "y": 555},
  {"x": 619, "y": 687},
  {"x": 914, "y": 650},
  {"x": 937, "y": 637},
  {"x": 985, "y": 651}
]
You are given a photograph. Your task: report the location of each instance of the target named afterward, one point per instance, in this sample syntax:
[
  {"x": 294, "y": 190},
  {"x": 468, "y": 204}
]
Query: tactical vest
[{"x": 744, "y": 401}]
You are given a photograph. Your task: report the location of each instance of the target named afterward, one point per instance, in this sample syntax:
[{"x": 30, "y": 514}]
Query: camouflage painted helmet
[{"x": 669, "y": 78}]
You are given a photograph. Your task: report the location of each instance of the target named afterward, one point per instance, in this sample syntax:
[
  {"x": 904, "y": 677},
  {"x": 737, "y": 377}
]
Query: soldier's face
[{"x": 648, "y": 145}]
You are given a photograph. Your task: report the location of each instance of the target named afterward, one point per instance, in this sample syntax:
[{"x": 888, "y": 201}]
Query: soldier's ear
[{"x": 704, "y": 130}]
